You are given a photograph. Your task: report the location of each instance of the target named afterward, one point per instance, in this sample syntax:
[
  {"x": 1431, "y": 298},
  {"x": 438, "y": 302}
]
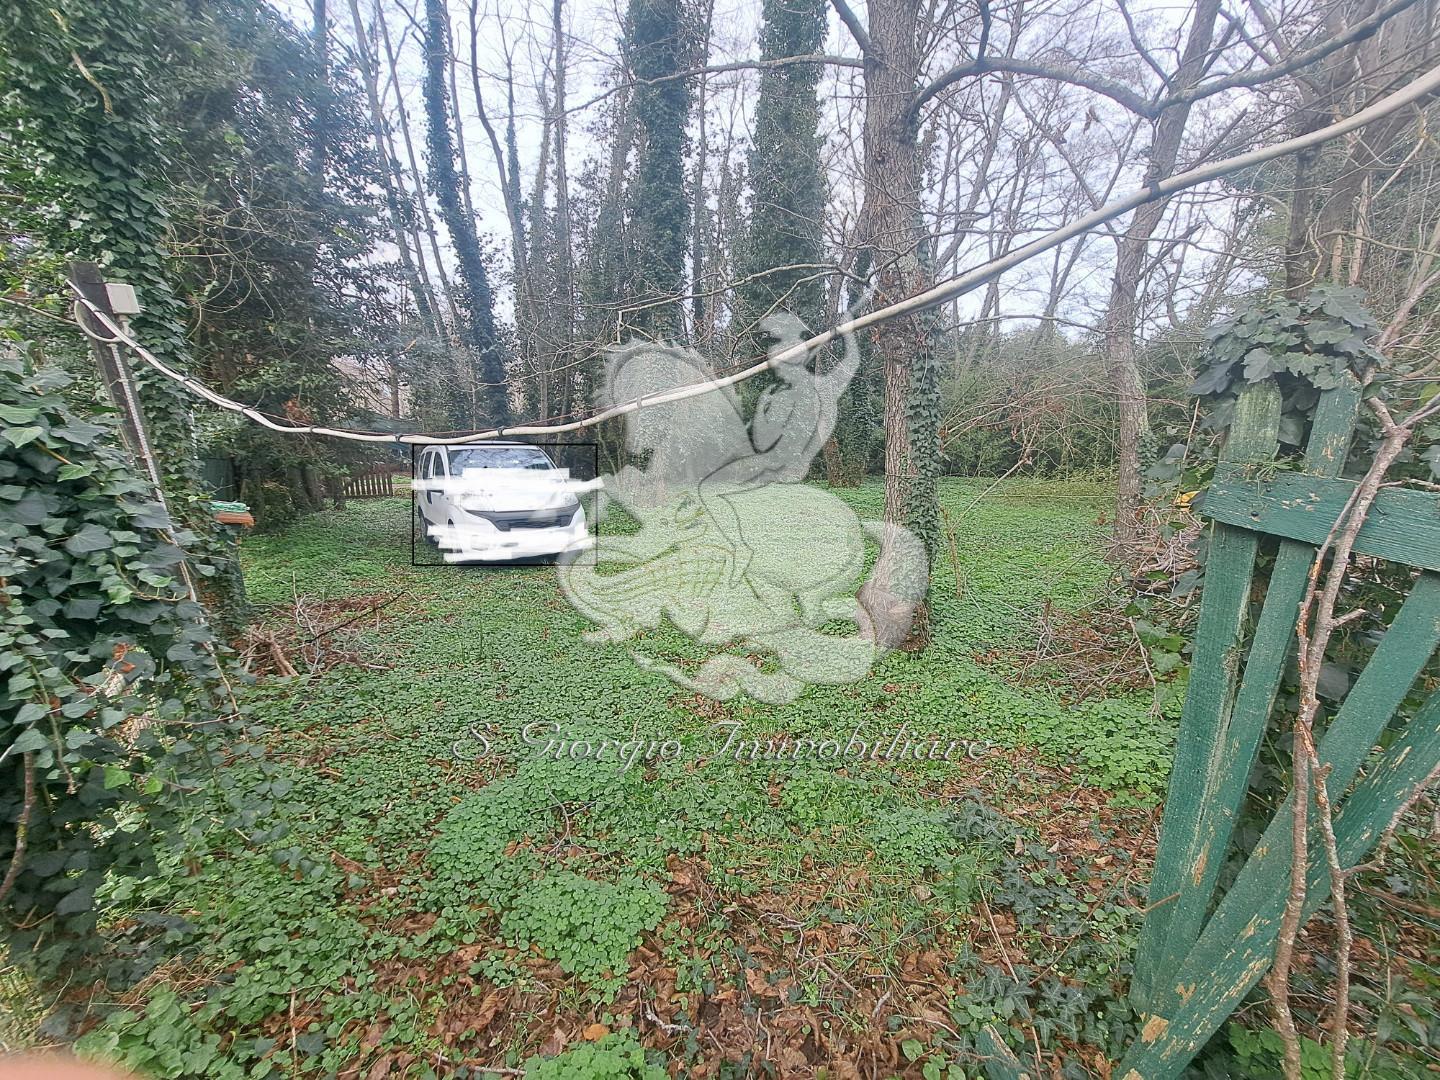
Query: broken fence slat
[
  {"x": 1224, "y": 603},
  {"x": 1238, "y": 943},
  {"x": 1167, "y": 1045},
  {"x": 1403, "y": 526},
  {"x": 1237, "y": 738}
]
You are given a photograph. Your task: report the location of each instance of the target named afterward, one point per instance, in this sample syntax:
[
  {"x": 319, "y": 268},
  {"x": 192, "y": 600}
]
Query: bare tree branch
[
  {"x": 720, "y": 69},
  {"x": 853, "y": 24},
  {"x": 1130, "y": 99}
]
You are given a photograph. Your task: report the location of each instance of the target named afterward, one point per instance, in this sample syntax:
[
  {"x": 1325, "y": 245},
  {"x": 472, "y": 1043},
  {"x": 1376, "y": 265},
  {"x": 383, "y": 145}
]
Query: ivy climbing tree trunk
[
  {"x": 489, "y": 401},
  {"x": 786, "y": 242},
  {"x": 657, "y": 52},
  {"x": 891, "y": 231}
]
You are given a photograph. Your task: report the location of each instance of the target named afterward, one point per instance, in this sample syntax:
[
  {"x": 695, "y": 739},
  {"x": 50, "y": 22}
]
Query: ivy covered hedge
[
  {"x": 110, "y": 687},
  {"x": 1307, "y": 345}
]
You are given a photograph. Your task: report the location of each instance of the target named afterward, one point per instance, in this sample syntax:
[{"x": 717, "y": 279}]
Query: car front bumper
[{"x": 480, "y": 541}]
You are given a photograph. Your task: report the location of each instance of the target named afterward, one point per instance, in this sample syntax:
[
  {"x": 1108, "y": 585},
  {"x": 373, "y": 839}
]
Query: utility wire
[{"x": 945, "y": 291}]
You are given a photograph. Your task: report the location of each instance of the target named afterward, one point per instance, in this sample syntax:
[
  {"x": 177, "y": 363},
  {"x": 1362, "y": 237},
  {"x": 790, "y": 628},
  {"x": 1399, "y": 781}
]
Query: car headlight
[{"x": 474, "y": 503}]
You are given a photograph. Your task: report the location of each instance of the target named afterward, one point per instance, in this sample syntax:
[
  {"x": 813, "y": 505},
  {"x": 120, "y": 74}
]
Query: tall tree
[
  {"x": 99, "y": 127},
  {"x": 657, "y": 48},
  {"x": 893, "y": 248},
  {"x": 277, "y": 218},
  {"x": 780, "y": 266},
  {"x": 392, "y": 183},
  {"x": 1132, "y": 258},
  {"x": 91, "y": 92},
  {"x": 700, "y": 223},
  {"x": 489, "y": 402}
]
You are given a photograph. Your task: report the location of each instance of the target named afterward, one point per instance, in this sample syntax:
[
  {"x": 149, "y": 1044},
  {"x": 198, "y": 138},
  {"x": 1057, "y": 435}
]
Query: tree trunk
[
  {"x": 418, "y": 179},
  {"x": 489, "y": 402},
  {"x": 834, "y": 464},
  {"x": 460, "y": 150},
  {"x": 563, "y": 301},
  {"x": 509, "y": 177},
  {"x": 697, "y": 187},
  {"x": 658, "y": 51},
  {"x": 1131, "y": 267},
  {"x": 539, "y": 353},
  {"x": 392, "y": 184},
  {"x": 892, "y": 230}
]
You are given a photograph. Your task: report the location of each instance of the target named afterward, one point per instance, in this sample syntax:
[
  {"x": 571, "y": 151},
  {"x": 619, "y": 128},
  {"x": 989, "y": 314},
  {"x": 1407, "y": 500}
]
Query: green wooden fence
[{"x": 1198, "y": 958}]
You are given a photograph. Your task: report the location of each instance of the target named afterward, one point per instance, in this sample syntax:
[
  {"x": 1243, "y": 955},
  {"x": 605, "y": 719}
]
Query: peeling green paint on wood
[
  {"x": 1254, "y": 438},
  {"x": 1197, "y": 830},
  {"x": 1192, "y": 971},
  {"x": 1237, "y": 944},
  {"x": 1403, "y": 526}
]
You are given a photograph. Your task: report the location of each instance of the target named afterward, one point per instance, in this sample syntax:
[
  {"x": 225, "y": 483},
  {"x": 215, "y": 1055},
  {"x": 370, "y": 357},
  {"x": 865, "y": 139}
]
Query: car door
[
  {"x": 428, "y": 498},
  {"x": 443, "y": 510}
]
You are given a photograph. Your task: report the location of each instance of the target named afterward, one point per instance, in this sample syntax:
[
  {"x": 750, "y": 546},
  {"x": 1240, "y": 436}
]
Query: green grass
[{"x": 407, "y": 900}]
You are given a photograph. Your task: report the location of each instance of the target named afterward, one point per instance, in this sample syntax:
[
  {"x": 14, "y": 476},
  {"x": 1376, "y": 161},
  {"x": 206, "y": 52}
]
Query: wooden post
[
  {"x": 114, "y": 372},
  {"x": 120, "y": 384}
]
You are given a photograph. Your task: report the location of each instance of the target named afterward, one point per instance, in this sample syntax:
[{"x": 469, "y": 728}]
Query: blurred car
[{"x": 496, "y": 501}]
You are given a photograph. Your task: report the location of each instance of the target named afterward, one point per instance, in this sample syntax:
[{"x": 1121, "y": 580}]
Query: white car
[{"x": 488, "y": 502}]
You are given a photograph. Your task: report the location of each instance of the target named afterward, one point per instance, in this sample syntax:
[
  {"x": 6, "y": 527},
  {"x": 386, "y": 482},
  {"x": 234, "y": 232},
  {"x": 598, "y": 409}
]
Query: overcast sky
[{"x": 521, "y": 30}]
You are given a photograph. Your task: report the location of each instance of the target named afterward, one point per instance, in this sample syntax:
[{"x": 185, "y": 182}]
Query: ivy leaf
[
  {"x": 47, "y": 863},
  {"x": 1213, "y": 380},
  {"x": 13, "y": 414},
  {"x": 1259, "y": 364},
  {"x": 83, "y": 608},
  {"x": 72, "y": 903},
  {"x": 30, "y": 739},
  {"x": 1328, "y": 335},
  {"x": 1345, "y": 304},
  {"x": 20, "y": 436},
  {"x": 80, "y": 432},
  {"x": 30, "y": 712},
  {"x": 1165, "y": 662},
  {"x": 90, "y": 538},
  {"x": 1302, "y": 364}
]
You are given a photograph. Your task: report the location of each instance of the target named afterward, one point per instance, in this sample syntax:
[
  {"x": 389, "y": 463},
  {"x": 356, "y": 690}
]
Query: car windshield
[{"x": 497, "y": 457}]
